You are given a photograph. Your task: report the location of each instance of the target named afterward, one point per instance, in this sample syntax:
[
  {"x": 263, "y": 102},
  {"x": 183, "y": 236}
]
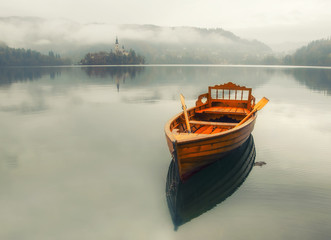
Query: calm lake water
[{"x": 83, "y": 154}]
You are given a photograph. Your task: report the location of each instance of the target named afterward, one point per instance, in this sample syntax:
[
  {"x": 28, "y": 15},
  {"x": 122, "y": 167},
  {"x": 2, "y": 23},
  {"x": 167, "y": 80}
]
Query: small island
[{"x": 117, "y": 57}]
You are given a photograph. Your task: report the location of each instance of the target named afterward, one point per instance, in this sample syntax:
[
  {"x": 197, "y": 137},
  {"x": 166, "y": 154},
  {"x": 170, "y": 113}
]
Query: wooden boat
[
  {"x": 210, "y": 186},
  {"x": 211, "y": 129}
]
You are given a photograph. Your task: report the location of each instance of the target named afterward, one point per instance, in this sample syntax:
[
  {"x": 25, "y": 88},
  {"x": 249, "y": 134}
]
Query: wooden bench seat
[
  {"x": 224, "y": 110},
  {"x": 225, "y": 124}
]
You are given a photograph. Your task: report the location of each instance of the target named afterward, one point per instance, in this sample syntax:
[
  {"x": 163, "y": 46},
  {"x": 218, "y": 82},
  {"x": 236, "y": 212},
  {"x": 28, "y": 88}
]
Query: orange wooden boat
[{"x": 210, "y": 130}]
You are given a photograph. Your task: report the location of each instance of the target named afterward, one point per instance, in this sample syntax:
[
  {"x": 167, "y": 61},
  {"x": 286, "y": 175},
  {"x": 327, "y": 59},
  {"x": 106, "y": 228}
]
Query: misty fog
[{"x": 73, "y": 39}]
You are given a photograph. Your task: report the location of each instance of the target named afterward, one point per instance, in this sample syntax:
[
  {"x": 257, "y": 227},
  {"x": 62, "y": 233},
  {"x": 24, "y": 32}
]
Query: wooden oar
[
  {"x": 256, "y": 108},
  {"x": 182, "y": 99}
]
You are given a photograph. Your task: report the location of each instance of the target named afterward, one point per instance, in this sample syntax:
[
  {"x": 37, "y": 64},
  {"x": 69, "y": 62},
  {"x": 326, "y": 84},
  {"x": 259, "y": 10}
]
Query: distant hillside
[
  {"x": 194, "y": 45},
  {"x": 316, "y": 53},
  {"x": 157, "y": 44}
]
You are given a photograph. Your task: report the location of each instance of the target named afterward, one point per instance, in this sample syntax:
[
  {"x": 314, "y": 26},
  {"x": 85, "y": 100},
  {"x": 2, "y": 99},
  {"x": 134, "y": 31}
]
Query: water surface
[{"x": 83, "y": 153}]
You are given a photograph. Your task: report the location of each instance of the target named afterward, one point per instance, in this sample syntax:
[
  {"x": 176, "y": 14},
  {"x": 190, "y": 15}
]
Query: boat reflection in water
[{"x": 210, "y": 186}]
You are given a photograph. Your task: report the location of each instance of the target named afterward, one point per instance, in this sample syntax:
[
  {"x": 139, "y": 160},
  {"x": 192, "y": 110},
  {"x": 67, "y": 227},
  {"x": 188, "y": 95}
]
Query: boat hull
[{"x": 193, "y": 154}]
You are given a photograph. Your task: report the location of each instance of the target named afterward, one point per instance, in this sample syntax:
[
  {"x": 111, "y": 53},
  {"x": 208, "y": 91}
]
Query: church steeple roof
[{"x": 116, "y": 42}]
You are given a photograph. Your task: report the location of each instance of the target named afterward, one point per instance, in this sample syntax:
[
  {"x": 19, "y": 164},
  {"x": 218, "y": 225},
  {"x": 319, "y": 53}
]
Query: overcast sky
[{"x": 268, "y": 21}]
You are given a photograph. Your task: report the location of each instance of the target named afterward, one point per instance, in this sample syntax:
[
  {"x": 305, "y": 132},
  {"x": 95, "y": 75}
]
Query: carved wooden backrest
[{"x": 231, "y": 94}]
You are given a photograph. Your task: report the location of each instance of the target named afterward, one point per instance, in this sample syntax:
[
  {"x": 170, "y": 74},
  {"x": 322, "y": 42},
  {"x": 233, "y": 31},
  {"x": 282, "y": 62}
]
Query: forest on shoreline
[
  {"x": 22, "y": 57},
  {"x": 316, "y": 53}
]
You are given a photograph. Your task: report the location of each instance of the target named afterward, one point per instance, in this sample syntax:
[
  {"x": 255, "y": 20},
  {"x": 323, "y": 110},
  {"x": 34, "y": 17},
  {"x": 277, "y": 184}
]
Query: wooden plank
[
  {"x": 208, "y": 130},
  {"x": 201, "y": 130},
  {"x": 213, "y": 123},
  {"x": 224, "y": 110},
  {"x": 206, "y": 150},
  {"x": 183, "y": 136},
  {"x": 217, "y": 130},
  {"x": 240, "y": 110},
  {"x": 227, "y": 109}
]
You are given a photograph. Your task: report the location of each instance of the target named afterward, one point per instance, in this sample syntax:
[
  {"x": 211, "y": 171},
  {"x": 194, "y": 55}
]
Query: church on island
[
  {"x": 118, "y": 49},
  {"x": 118, "y": 56}
]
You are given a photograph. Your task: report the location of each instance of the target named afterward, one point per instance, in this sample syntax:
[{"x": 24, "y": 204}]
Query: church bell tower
[{"x": 117, "y": 48}]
